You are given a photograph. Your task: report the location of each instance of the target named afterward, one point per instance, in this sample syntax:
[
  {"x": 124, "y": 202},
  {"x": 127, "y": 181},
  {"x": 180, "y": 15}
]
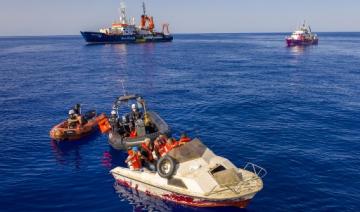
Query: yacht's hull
[
  {"x": 102, "y": 38},
  {"x": 164, "y": 194},
  {"x": 295, "y": 42}
]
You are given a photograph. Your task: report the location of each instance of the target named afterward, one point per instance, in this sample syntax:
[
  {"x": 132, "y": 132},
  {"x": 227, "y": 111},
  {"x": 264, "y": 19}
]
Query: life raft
[{"x": 62, "y": 132}]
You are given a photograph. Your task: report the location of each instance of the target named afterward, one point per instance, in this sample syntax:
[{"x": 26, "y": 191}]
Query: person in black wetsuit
[
  {"x": 134, "y": 115},
  {"x": 124, "y": 126},
  {"x": 114, "y": 121}
]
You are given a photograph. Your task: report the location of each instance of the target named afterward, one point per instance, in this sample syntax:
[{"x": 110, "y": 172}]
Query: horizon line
[{"x": 180, "y": 33}]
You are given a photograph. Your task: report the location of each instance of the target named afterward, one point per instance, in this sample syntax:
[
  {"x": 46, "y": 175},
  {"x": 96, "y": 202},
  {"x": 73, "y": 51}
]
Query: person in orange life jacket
[
  {"x": 133, "y": 160},
  {"x": 133, "y": 132},
  {"x": 146, "y": 154},
  {"x": 169, "y": 145},
  {"x": 184, "y": 138},
  {"x": 159, "y": 143},
  {"x": 146, "y": 150}
]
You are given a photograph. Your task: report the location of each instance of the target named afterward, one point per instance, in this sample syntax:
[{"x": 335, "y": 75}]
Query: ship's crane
[
  {"x": 147, "y": 22},
  {"x": 165, "y": 29}
]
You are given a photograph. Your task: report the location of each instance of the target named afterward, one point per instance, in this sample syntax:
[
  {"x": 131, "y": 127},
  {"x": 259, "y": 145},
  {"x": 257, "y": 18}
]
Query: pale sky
[{"x": 68, "y": 17}]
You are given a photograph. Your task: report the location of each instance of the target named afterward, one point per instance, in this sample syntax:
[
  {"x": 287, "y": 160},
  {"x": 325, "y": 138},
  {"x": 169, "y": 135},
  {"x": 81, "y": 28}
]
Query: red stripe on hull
[{"x": 188, "y": 200}]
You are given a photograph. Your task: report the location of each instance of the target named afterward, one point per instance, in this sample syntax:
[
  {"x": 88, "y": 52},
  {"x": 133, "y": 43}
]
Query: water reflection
[
  {"x": 297, "y": 50},
  {"x": 70, "y": 151},
  {"x": 65, "y": 152},
  {"x": 113, "y": 158},
  {"x": 143, "y": 202},
  {"x": 120, "y": 49},
  {"x": 140, "y": 201}
]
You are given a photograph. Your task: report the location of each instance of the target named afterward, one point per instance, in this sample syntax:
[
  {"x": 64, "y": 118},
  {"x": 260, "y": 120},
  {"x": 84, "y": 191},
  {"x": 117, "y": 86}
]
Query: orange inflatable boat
[{"x": 62, "y": 131}]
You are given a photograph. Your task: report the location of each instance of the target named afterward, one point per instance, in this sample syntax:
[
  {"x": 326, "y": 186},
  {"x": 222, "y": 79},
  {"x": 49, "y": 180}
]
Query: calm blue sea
[{"x": 294, "y": 111}]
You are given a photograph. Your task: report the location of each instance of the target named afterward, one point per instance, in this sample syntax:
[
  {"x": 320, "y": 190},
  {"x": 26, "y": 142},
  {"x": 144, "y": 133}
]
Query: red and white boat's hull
[
  {"x": 161, "y": 193},
  {"x": 298, "y": 42}
]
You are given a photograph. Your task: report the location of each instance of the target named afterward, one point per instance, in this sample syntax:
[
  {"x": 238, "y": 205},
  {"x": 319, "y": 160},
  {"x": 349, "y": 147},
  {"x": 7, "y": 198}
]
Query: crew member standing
[
  {"x": 135, "y": 114},
  {"x": 114, "y": 121}
]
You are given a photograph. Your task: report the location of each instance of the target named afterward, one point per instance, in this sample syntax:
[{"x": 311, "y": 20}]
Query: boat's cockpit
[{"x": 130, "y": 118}]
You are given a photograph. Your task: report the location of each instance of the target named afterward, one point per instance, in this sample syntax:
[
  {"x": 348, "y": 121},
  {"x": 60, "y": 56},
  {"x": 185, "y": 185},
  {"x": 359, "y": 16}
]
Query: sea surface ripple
[{"x": 294, "y": 111}]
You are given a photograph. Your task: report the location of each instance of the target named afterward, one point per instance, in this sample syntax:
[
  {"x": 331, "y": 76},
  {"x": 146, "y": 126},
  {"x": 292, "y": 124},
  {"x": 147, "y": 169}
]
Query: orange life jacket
[
  {"x": 167, "y": 148},
  {"x": 159, "y": 144},
  {"x": 133, "y": 134},
  {"x": 163, "y": 150},
  {"x": 135, "y": 161},
  {"x": 175, "y": 144},
  {"x": 185, "y": 139},
  {"x": 104, "y": 125},
  {"x": 148, "y": 151}
]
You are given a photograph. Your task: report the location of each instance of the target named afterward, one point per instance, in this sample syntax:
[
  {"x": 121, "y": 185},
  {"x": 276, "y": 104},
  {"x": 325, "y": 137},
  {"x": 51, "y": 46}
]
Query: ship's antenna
[
  {"x": 144, "y": 8},
  {"x": 123, "y": 87}
]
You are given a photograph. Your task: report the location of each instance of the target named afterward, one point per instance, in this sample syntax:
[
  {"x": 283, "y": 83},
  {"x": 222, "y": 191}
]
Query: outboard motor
[
  {"x": 89, "y": 115},
  {"x": 77, "y": 109}
]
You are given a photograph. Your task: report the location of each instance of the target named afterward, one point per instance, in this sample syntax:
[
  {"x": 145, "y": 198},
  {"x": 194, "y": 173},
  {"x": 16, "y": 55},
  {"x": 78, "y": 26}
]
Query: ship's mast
[
  {"x": 144, "y": 8},
  {"x": 123, "y": 12}
]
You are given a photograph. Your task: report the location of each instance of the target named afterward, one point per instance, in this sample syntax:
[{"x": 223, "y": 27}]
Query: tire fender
[{"x": 170, "y": 162}]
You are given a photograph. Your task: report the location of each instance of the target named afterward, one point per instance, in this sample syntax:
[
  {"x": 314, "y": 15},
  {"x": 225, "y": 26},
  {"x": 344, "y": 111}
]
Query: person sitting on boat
[
  {"x": 133, "y": 160},
  {"x": 170, "y": 144},
  {"x": 146, "y": 150},
  {"x": 74, "y": 120},
  {"x": 159, "y": 144},
  {"x": 184, "y": 138},
  {"x": 146, "y": 154}
]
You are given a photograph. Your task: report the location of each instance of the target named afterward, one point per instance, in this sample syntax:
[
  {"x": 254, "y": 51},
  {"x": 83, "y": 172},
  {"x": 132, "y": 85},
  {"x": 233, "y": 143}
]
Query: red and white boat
[
  {"x": 191, "y": 174},
  {"x": 302, "y": 36}
]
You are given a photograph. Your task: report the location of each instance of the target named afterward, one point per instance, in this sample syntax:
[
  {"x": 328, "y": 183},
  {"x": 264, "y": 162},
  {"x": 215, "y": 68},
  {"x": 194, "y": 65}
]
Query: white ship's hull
[{"x": 160, "y": 192}]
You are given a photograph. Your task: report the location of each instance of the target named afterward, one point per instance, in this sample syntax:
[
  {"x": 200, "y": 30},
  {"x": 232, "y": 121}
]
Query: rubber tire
[{"x": 171, "y": 169}]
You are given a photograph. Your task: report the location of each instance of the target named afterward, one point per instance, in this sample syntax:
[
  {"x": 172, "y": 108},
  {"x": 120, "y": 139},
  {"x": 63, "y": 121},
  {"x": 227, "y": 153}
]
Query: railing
[
  {"x": 245, "y": 184},
  {"x": 258, "y": 170}
]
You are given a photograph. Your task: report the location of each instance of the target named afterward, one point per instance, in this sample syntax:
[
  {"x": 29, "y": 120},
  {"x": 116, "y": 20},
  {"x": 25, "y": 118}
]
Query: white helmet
[
  {"x": 133, "y": 106},
  {"x": 71, "y": 112},
  {"x": 113, "y": 112}
]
